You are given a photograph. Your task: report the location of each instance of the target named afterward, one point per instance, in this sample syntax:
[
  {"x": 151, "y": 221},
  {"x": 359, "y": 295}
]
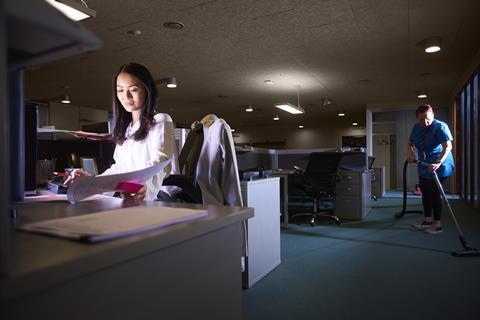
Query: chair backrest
[
  {"x": 190, "y": 152},
  {"x": 322, "y": 170}
]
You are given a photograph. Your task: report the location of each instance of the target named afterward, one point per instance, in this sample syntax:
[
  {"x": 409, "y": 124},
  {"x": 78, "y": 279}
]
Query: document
[
  {"x": 107, "y": 225},
  {"x": 84, "y": 186}
]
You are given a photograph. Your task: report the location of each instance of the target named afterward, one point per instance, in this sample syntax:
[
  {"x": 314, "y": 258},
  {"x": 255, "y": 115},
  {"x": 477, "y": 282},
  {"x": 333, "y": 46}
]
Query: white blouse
[{"x": 158, "y": 146}]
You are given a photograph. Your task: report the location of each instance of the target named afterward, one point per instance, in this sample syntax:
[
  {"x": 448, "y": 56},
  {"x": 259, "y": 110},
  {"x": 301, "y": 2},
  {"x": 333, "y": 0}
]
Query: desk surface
[{"x": 39, "y": 261}]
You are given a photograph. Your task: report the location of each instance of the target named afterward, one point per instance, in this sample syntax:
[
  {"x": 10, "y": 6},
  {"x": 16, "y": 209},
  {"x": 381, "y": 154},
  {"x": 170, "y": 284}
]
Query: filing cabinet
[
  {"x": 378, "y": 186},
  {"x": 353, "y": 195}
]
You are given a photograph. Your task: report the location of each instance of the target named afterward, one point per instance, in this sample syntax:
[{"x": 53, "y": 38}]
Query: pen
[{"x": 61, "y": 174}]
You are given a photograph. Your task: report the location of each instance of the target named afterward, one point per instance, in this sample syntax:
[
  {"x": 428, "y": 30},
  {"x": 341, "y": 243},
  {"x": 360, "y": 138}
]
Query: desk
[
  {"x": 263, "y": 236},
  {"x": 184, "y": 271},
  {"x": 283, "y": 175}
]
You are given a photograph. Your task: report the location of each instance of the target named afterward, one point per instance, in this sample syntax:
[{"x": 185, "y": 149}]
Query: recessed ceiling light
[
  {"x": 341, "y": 114},
  {"x": 300, "y": 126},
  {"x": 134, "y": 32},
  {"x": 431, "y": 45},
  {"x": 249, "y": 109},
  {"x": 432, "y": 49},
  {"x": 355, "y": 124},
  {"x": 270, "y": 82},
  {"x": 422, "y": 94},
  {"x": 276, "y": 118},
  {"x": 326, "y": 102},
  {"x": 66, "y": 99},
  {"x": 233, "y": 130},
  {"x": 175, "y": 25}
]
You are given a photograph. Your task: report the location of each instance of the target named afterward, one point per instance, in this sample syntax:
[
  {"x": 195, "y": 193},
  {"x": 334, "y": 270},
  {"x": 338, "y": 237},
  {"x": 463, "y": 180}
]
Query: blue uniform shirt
[{"x": 428, "y": 142}]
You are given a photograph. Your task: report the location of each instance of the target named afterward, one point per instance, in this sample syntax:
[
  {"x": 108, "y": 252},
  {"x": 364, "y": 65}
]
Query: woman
[
  {"x": 433, "y": 141},
  {"x": 142, "y": 138}
]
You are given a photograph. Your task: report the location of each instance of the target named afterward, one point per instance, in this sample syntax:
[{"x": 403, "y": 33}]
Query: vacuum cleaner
[
  {"x": 468, "y": 251},
  {"x": 404, "y": 205}
]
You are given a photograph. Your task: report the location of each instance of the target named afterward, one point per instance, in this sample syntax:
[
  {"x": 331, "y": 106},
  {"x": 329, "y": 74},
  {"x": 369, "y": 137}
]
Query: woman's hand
[
  {"x": 75, "y": 173},
  {"x": 434, "y": 166},
  {"x": 140, "y": 195}
]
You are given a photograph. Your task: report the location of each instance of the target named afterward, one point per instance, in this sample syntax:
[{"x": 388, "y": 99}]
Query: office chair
[
  {"x": 315, "y": 187},
  {"x": 187, "y": 160},
  {"x": 209, "y": 165},
  {"x": 372, "y": 173}
]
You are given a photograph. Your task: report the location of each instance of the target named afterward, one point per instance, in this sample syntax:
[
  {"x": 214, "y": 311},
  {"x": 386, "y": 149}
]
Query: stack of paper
[
  {"x": 113, "y": 224},
  {"x": 84, "y": 186}
]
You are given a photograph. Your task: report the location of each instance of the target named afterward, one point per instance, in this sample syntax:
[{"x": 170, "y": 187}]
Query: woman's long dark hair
[{"x": 122, "y": 117}]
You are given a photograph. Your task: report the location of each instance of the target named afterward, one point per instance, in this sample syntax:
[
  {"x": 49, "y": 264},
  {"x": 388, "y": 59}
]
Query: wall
[
  {"x": 322, "y": 136},
  {"x": 71, "y": 117}
]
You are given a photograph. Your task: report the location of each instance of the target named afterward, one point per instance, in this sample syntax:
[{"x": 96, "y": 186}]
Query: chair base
[{"x": 314, "y": 216}]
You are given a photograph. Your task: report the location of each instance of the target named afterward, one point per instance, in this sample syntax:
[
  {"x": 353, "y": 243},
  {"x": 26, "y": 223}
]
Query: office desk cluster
[{"x": 184, "y": 271}]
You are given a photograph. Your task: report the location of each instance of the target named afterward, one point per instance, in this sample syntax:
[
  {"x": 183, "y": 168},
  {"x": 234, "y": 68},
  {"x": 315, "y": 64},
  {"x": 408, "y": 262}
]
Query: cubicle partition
[{"x": 355, "y": 188}]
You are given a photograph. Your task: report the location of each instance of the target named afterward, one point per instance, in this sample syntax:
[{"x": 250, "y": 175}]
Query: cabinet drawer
[
  {"x": 349, "y": 207},
  {"x": 348, "y": 189},
  {"x": 349, "y": 177}
]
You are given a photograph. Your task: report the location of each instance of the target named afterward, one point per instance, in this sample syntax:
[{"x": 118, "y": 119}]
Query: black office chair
[
  {"x": 187, "y": 160},
  {"x": 315, "y": 187}
]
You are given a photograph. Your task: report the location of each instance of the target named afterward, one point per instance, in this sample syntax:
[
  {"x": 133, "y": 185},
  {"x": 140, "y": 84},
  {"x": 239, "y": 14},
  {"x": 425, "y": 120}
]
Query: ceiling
[{"x": 355, "y": 53}]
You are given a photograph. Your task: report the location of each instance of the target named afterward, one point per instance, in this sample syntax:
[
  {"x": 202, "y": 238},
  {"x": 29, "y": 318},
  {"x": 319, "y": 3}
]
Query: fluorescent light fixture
[
  {"x": 355, "y": 124},
  {"x": 249, "y": 109},
  {"x": 74, "y": 10},
  {"x": 270, "y": 82},
  {"x": 276, "y": 118},
  {"x": 232, "y": 130},
  {"x": 300, "y": 127},
  {"x": 341, "y": 114},
  {"x": 288, "y": 107}
]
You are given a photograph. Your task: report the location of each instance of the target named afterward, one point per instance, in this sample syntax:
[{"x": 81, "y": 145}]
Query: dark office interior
[{"x": 324, "y": 229}]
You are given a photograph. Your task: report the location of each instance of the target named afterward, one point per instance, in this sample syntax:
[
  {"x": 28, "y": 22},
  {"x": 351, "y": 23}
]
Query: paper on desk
[
  {"x": 84, "y": 186},
  {"x": 113, "y": 224}
]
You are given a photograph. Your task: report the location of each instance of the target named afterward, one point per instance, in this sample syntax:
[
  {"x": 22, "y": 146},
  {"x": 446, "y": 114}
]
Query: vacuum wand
[{"x": 469, "y": 251}]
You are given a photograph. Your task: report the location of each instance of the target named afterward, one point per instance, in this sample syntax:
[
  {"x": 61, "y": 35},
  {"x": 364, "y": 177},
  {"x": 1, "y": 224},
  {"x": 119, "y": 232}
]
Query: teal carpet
[{"x": 372, "y": 269}]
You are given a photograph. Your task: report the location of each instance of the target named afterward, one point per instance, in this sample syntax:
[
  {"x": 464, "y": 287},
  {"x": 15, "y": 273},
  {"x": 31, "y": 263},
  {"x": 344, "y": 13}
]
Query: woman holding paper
[{"x": 142, "y": 137}]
